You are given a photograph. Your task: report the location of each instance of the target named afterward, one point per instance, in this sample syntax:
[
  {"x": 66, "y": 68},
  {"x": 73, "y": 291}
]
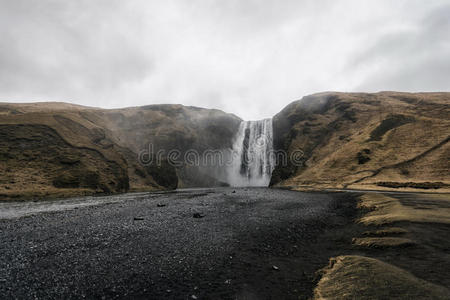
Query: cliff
[
  {"x": 385, "y": 140},
  {"x": 61, "y": 150}
]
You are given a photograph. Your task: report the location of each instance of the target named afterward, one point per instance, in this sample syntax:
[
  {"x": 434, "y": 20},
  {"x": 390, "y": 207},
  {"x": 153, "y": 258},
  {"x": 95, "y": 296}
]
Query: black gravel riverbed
[{"x": 248, "y": 243}]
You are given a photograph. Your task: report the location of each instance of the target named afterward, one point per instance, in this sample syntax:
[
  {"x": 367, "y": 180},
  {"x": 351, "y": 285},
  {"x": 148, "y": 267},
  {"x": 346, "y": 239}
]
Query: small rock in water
[
  {"x": 160, "y": 205},
  {"x": 198, "y": 215},
  {"x": 138, "y": 218},
  {"x": 169, "y": 291},
  {"x": 233, "y": 192},
  {"x": 194, "y": 297},
  {"x": 275, "y": 268}
]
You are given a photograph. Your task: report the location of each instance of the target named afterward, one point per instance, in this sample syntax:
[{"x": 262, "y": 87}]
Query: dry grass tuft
[
  {"x": 383, "y": 242},
  {"x": 386, "y": 231},
  {"x": 358, "y": 277},
  {"x": 387, "y": 210}
]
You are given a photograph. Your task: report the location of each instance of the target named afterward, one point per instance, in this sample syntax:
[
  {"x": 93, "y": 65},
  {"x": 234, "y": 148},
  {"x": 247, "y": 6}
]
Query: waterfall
[{"x": 252, "y": 154}]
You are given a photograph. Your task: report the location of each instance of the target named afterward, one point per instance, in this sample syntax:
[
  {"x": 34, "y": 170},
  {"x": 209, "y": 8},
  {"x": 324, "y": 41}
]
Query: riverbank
[
  {"x": 224, "y": 243},
  {"x": 404, "y": 251},
  {"x": 212, "y": 243}
]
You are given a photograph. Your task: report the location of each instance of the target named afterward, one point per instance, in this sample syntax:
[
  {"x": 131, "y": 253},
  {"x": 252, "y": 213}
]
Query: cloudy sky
[{"x": 248, "y": 57}]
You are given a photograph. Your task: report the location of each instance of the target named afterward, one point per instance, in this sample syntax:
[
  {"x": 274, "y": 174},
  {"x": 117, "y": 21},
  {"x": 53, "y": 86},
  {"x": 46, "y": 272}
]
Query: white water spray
[{"x": 253, "y": 161}]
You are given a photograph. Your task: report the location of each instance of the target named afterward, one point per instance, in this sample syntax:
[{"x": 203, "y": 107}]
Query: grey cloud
[
  {"x": 47, "y": 46},
  {"x": 416, "y": 59},
  {"x": 247, "y": 57}
]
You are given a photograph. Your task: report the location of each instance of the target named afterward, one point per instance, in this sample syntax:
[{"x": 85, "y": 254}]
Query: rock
[
  {"x": 233, "y": 192},
  {"x": 363, "y": 156},
  {"x": 138, "y": 218},
  {"x": 160, "y": 205},
  {"x": 194, "y": 297},
  {"x": 198, "y": 215},
  {"x": 275, "y": 268}
]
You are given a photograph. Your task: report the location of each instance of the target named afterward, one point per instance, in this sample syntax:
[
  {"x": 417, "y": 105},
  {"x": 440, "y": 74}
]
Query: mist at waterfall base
[{"x": 252, "y": 162}]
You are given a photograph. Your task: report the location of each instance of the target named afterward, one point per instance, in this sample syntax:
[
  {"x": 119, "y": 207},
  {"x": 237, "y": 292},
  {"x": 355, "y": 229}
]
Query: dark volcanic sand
[{"x": 129, "y": 247}]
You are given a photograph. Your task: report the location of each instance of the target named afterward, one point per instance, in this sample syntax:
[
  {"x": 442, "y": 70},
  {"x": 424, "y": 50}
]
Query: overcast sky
[{"x": 247, "y": 57}]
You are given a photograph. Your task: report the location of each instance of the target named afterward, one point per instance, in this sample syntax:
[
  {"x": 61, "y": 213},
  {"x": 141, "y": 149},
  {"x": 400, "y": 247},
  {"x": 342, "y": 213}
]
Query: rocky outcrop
[
  {"x": 162, "y": 130},
  {"x": 367, "y": 141},
  {"x": 37, "y": 162},
  {"x": 340, "y": 140},
  {"x": 60, "y": 150}
]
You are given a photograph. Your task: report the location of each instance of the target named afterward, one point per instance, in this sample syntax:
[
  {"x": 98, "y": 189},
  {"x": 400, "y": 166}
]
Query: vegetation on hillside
[
  {"x": 386, "y": 140},
  {"x": 59, "y": 149}
]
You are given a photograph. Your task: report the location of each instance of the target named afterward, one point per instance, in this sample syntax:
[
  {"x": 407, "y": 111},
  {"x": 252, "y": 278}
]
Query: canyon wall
[
  {"x": 385, "y": 140},
  {"x": 61, "y": 150}
]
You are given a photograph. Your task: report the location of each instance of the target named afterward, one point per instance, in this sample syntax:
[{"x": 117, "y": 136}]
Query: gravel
[{"x": 129, "y": 246}]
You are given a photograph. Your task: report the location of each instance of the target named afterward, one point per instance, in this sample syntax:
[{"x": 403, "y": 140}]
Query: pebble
[{"x": 275, "y": 268}]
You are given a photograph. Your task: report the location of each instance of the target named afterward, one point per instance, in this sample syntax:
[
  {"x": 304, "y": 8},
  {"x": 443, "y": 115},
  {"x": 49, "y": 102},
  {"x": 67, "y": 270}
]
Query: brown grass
[
  {"x": 382, "y": 242},
  {"x": 387, "y": 210},
  {"x": 358, "y": 277},
  {"x": 115, "y": 137},
  {"x": 386, "y": 231},
  {"x": 421, "y": 249},
  {"x": 340, "y": 151}
]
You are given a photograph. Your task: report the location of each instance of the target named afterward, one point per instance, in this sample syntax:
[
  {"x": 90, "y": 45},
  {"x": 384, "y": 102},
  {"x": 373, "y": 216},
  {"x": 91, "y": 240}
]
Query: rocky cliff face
[
  {"x": 159, "y": 130},
  {"x": 59, "y": 150},
  {"x": 386, "y": 140},
  {"x": 368, "y": 141}
]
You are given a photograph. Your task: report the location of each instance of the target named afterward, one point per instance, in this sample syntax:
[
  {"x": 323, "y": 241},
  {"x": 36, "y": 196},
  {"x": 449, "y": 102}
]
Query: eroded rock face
[
  {"x": 364, "y": 140},
  {"x": 169, "y": 127},
  {"x": 160, "y": 129},
  {"x": 37, "y": 161},
  {"x": 346, "y": 140},
  {"x": 303, "y": 125},
  {"x": 73, "y": 150}
]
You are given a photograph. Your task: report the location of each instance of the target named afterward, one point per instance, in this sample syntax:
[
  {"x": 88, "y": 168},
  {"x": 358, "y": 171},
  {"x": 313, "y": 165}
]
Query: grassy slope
[
  {"x": 409, "y": 248},
  {"x": 172, "y": 127},
  {"x": 53, "y": 134},
  {"x": 37, "y": 162},
  {"x": 65, "y": 142},
  {"x": 359, "y": 277},
  {"x": 386, "y": 210},
  {"x": 382, "y": 141}
]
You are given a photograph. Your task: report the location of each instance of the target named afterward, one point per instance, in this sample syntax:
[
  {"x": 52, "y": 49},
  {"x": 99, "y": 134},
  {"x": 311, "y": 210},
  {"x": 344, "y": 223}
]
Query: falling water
[{"x": 252, "y": 162}]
